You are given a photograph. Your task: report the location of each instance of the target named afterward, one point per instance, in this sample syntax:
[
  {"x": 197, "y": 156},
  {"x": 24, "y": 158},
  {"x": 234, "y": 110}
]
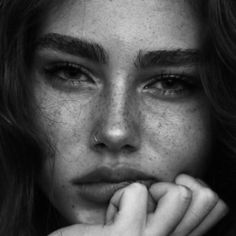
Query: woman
[{"x": 94, "y": 100}]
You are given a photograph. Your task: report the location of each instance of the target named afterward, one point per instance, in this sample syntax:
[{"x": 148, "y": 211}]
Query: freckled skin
[{"x": 170, "y": 137}]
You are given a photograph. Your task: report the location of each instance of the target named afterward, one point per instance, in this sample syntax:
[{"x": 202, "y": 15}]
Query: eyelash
[
  {"x": 59, "y": 73},
  {"x": 186, "y": 83}
]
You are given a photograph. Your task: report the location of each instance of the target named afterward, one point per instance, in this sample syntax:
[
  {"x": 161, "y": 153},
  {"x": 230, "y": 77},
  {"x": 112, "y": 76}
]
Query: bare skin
[
  {"x": 186, "y": 207},
  {"x": 119, "y": 97}
]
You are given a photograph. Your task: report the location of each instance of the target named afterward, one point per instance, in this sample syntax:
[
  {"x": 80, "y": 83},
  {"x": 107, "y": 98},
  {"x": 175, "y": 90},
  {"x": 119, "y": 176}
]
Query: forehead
[{"x": 142, "y": 24}]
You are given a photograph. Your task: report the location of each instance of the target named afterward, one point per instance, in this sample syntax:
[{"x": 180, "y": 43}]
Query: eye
[
  {"x": 171, "y": 85},
  {"x": 69, "y": 74}
]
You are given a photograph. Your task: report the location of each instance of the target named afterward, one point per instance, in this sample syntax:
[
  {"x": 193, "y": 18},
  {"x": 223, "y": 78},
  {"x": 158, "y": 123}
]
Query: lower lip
[{"x": 102, "y": 192}]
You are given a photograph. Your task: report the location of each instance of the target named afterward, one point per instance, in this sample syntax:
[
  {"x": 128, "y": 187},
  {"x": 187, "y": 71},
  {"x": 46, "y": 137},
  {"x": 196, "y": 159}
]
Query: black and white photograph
[{"x": 117, "y": 118}]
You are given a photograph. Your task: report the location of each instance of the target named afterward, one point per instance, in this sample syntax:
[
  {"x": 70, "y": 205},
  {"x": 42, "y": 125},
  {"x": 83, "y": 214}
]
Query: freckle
[{"x": 73, "y": 206}]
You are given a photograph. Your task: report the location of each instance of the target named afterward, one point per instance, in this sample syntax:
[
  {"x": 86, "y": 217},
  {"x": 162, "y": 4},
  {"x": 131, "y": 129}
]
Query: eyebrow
[
  {"x": 95, "y": 52},
  {"x": 74, "y": 46},
  {"x": 178, "y": 57}
]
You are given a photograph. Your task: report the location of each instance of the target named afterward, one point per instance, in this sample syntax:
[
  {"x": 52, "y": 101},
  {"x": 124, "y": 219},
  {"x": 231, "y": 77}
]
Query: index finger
[{"x": 128, "y": 206}]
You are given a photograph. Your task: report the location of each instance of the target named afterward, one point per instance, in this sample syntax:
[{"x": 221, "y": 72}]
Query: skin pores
[{"x": 117, "y": 87}]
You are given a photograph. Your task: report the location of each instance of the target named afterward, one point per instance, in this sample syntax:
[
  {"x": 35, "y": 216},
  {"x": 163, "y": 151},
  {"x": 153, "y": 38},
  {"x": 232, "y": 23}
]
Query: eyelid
[
  {"x": 188, "y": 84},
  {"x": 177, "y": 76},
  {"x": 54, "y": 66},
  {"x": 181, "y": 77},
  {"x": 56, "y": 75}
]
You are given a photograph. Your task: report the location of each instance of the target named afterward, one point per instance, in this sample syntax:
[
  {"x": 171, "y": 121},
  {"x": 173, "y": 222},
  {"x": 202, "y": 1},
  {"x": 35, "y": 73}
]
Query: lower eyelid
[{"x": 170, "y": 94}]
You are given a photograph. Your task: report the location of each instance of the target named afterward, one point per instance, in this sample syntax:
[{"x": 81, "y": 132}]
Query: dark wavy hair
[
  {"x": 219, "y": 81},
  {"x": 21, "y": 147},
  {"x": 23, "y": 209}
]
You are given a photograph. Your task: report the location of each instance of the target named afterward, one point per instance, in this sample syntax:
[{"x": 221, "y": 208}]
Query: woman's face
[{"x": 120, "y": 99}]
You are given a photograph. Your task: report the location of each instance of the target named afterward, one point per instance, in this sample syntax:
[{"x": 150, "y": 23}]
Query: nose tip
[
  {"x": 116, "y": 124},
  {"x": 118, "y": 138}
]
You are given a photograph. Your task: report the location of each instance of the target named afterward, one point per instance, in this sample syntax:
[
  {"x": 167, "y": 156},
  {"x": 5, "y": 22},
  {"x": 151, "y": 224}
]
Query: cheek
[
  {"x": 65, "y": 121},
  {"x": 179, "y": 138}
]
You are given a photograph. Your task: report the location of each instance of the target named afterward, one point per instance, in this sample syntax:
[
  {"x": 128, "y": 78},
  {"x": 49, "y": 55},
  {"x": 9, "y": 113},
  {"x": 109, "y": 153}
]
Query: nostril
[
  {"x": 128, "y": 148},
  {"x": 100, "y": 146},
  {"x": 115, "y": 140}
]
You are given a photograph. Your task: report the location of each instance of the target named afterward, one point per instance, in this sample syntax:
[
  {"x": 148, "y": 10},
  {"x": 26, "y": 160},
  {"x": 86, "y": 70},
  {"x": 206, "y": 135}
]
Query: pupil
[
  {"x": 72, "y": 72},
  {"x": 169, "y": 83}
]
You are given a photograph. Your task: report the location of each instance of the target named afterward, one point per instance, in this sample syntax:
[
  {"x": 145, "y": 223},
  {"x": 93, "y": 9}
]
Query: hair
[
  {"x": 219, "y": 82},
  {"x": 22, "y": 146},
  {"x": 21, "y": 149}
]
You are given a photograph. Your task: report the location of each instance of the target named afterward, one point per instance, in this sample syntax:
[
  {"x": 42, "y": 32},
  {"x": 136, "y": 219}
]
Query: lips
[{"x": 99, "y": 185}]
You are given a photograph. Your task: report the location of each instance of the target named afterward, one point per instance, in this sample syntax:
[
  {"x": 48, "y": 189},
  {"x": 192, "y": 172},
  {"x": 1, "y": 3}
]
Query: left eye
[{"x": 170, "y": 85}]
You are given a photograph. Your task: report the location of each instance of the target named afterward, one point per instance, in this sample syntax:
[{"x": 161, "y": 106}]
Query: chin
[{"x": 88, "y": 216}]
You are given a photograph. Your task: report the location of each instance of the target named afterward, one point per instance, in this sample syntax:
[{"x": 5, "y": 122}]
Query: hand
[
  {"x": 186, "y": 207},
  {"x": 126, "y": 215}
]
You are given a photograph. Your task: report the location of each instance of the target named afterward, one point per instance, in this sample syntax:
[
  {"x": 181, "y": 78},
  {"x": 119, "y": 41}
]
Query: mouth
[{"x": 100, "y": 185}]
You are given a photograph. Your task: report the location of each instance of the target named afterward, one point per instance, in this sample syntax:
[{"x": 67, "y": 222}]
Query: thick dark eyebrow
[
  {"x": 74, "y": 46},
  {"x": 164, "y": 58},
  {"x": 96, "y": 53}
]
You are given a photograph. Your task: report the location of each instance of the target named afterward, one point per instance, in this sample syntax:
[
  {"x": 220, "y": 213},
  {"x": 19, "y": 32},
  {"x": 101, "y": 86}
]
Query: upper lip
[{"x": 113, "y": 175}]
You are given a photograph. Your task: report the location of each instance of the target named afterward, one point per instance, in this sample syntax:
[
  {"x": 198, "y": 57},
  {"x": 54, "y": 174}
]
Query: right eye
[{"x": 69, "y": 74}]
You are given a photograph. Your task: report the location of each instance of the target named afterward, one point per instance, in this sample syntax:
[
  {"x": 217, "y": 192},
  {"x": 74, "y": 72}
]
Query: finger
[
  {"x": 203, "y": 201},
  {"x": 151, "y": 204},
  {"x": 128, "y": 206},
  {"x": 113, "y": 209},
  {"x": 82, "y": 230},
  {"x": 173, "y": 201},
  {"x": 219, "y": 212}
]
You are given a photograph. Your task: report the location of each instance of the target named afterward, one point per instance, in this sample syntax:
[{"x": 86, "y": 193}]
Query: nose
[{"x": 117, "y": 128}]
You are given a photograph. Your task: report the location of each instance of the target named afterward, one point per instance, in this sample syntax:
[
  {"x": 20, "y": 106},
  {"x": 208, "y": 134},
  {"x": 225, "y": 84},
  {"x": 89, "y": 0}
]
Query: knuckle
[
  {"x": 208, "y": 195},
  {"x": 184, "y": 193}
]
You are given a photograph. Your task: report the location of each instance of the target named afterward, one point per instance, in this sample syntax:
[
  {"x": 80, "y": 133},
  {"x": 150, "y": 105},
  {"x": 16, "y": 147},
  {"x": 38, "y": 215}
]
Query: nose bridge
[
  {"x": 117, "y": 111},
  {"x": 117, "y": 124}
]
